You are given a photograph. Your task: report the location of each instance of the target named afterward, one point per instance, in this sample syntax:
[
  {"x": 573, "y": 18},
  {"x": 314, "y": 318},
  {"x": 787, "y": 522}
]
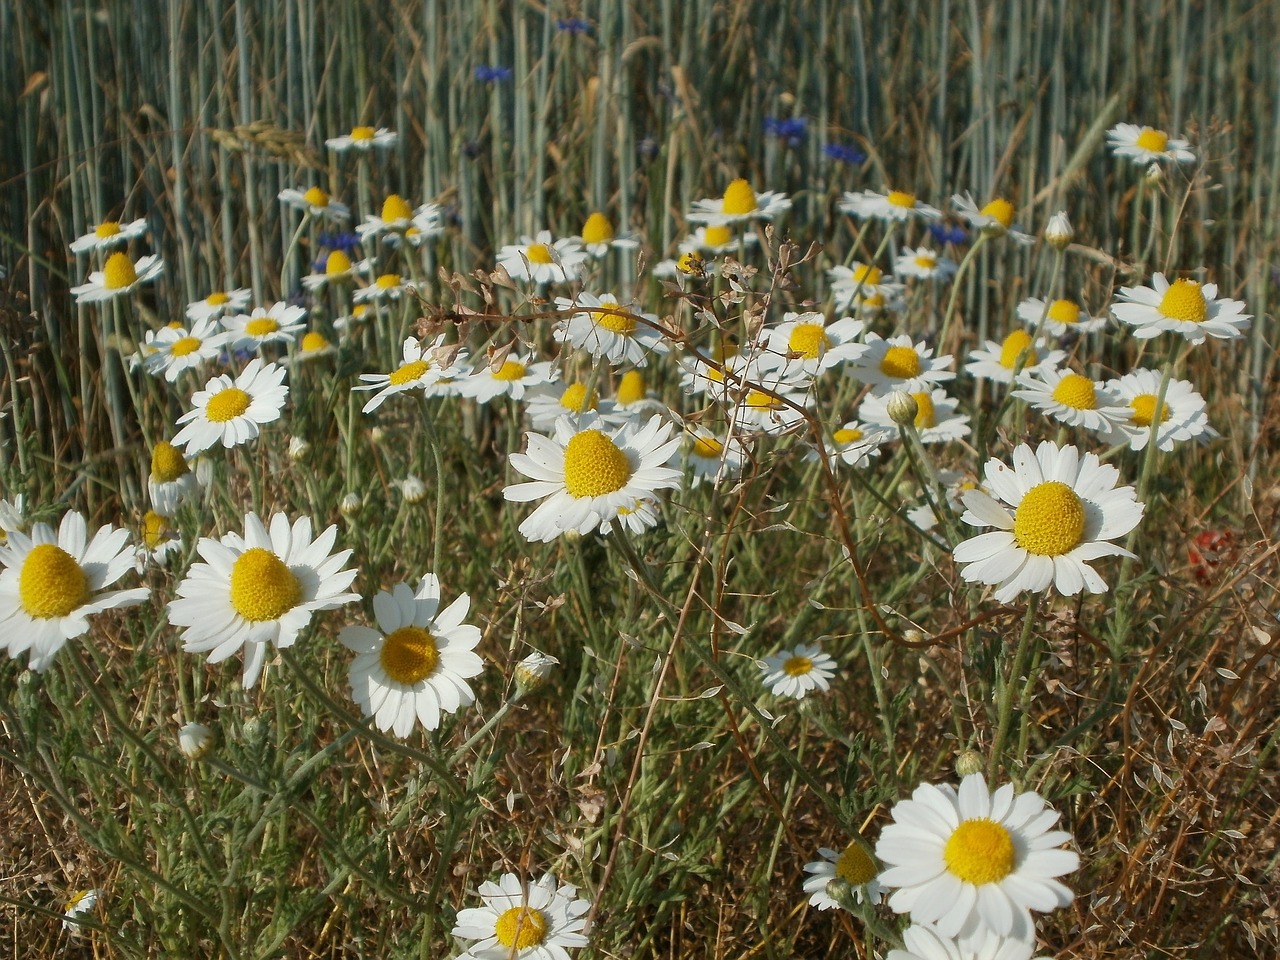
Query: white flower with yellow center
[
  {"x": 541, "y": 259},
  {"x": 716, "y": 380},
  {"x": 923, "y": 263},
  {"x": 338, "y": 268},
  {"x": 1073, "y": 399},
  {"x": 936, "y": 419},
  {"x": 632, "y": 399},
  {"x": 1058, "y": 512},
  {"x": 710, "y": 458},
  {"x": 971, "y": 862},
  {"x": 315, "y": 202},
  {"x": 279, "y": 323},
  {"x": 79, "y": 904},
  {"x": 896, "y": 205},
  {"x": 386, "y": 286},
  {"x": 1182, "y": 414},
  {"x": 994, "y": 218},
  {"x": 585, "y": 476},
  {"x": 258, "y": 589},
  {"x": 523, "y": 922},
  {"x": 1145, "y": 145},
  {"x": 998, "y": 361},
  {"x": 159, "y": 539},
  {"x": 717, "y": 240},
  {"x": 428, "y": 222},
  {"x": 171, "y": 481},
  {"x": 313, "y": 346},
  {"x": 1183, "y": 306},
  {"x": 899, "y": 363},
  {"x": 362, "y": 139},
  {"x": 770, "y": 400},
  {"x": 416, "y": 664},
  {"x": 513, "y": 377},
  {"x": 422, "y": 368},
  {"x": 108, "y": 234},
  {"x": 118, "y": 276},
  {"x": 12, "y": 516},
  {"x": 854, "y": 443},
  {"x": 546, "y": 405},
  {"x": 220, "y": 303},
  {"x": 854, "y": 865},
  {"x": 619, "y": 333},
  {"x": 923, "y": 942},
  {"x": 397, "y": 217},
  {"x": 793, "y": 673},
  {"x": 170, "y": 350},
  {"x": 739, "y": 204},
  {"x": 232, "y": 411},
  {"x": 51, "y": 585},
  {"x": 640, "y": 516},
  {"x": 1062, "y": 317},
  {"x": 860, "y": 283},
  {"x": 598, "y": 236}
]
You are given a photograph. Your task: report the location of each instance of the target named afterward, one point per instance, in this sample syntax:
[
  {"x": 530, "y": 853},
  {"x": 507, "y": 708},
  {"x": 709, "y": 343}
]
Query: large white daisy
[
  {"x": 516, "y": 375},
  {"x": 545, "y": 405},
  {"x": 1182, "y": 415},
  {"x": 896, "y": 205},
  {"x": 521, "y": 921},
  {"x": 998, "y": 361},
  {"x": 606, "y": 328},
  {"x": 739, "y": 203},
  {"x": 854, "y": 865},
  {"x": 170, "y": 350},
  {"x": 541, "y": 259},
  {"x": 421, "y": 369},
  {"x": 233, "y": 411},
  {"x": 806, "y": 343},
  {"x": 259, "y": 588},
  {"x": 415, "y": 665},
  {"x": 899, "y": 363},
  {"x": 1058, "y": 512},
  {"x": 1184, "y": 306},
  {"x": 1060, "y": 318},
  {"x": 1147, "y": 145},
  {"x": 922, "y": 942},
  {"x": 1072, "y": 398},
  {"x": 118, "y": 276}
]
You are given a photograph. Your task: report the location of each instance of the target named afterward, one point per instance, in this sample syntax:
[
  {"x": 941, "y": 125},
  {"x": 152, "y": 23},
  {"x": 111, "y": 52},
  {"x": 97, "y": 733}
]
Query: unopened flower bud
[
  {"x": 298, "y": 449},
  {"x": 194, "y": 740},
  {"x": 535, "y": 668},
  {"x": 841, "y": 891},
  {"x": 1058, "y": 234},
  {"x": 969, "y": 762},
  {"x": 413, "y": 489},
  {"x": 1154, "y": 175},
  {"x": 902, "y": 408},
  {"x": 351, "y": 504}
]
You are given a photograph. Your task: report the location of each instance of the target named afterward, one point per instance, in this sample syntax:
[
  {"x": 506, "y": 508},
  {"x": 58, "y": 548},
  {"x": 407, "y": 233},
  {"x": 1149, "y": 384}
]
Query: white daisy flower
[
  {"x": 899, "y": 363},
  {"x": 195, "y": 740},
  {"x": 894, "y": 205},
  {"x": 709, "y": 458},
  {"x": 362, "y": 139},
  {"x": 79, "y": 904},
  {"x": 598, "y": 236},
  {"x": 259, "y": 588},
  {"x": 51, "y": 585},
  {"x": 854, "y": 443},
  {"x": 397, "y": 217},
  {"x": 108, "y": 234},
  {"x": 775, "y": 412},
  {"x": 171, "y": 481},
  {"x": 170, "y": 350},
  {"x": 972, "y": 862},
  {"x": 416, "y": 664},
  {"x": 159, "y": 540},
  {"x": 1184, "y": 306},
  {"x": 1182, "y": 414},
  {"x": 739, "y": 204},
  {"x": 1061, "y": 318},
  {"x": 543, "y": 260},
  {"x": 118, "y": 276},
  {"x": 388, "y": 286},
  {"x": 793, "y": 673},
  {"x": 584, "y": 476},
  {"x": 428, "y": 223},
  {"x": 1073, "y": 399},
  {"x": 717, "y": 240},
  {"x": 1059, "y": 510},
  {"x": 422, "y": 368},
  {"x": 338, "y": 268},
  {"x": 923, "y": 263},
  {"x": 854, "y": 865},
  {"x": 315, "y": 202},
  {"x": 279, "y": 323},
  {"x": 936, "y": 417},
  {"x": 546, "y": 405},
  {"x": 998, "y": 360},
  {"x": 995, "y": 218},
  {"x": 923, "y": 942},
  {"x": 218, "y": 304},
  {"x": 516, "y": 375},
  {"x": 536, "y": 921},
  {"x": 12, "y": 516},
  {"x": 631, "y": 398},
  {"x": 640, "y": 516},
  {"x": 1144, "y": 145},
  {"x": 620, "y": 334},
  {"x": 233, "y": 411},
  {"x": 860, "y": 283},
  {"x": 698, "y": 377}
]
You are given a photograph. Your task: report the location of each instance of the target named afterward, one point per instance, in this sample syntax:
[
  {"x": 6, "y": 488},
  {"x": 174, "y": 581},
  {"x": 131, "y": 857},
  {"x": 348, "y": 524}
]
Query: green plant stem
[{"x": 1004, "y": 707}]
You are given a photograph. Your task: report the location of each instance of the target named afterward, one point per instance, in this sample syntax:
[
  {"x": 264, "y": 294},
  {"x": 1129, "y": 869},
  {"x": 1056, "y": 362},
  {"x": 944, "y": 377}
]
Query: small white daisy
[
  {"x": 854, "y": 443},
  {"x": 860, "y": 283},
  {"x": 397, "y": 217},
  {"x": 423, "y": 366},
  {"x": 362, "y": 139},
  {"x": 1073, "y": 399},
  {"x": 416, "y": 664},
  {"x": 923, "y": 942},
  {"x": 936, "y": 417},
  {"x": 516, "y": 375},
  {"x": 79, "y": 904},
  {"x": 894, "y": 205},
  {"x": 717, "y": 240},
  {"x": 118, "y": 276},
  {"x": 428, "y": 223},
  {"x": 158, "y": 540},
  {"x": 521, "y": 921},
  {"x": 1061, "y": 318},
  {"x": 854, "y": 865},
  {"x": 1185, "y": 306},
  {"x": 774, "y": 412},
  {"x": 923, "y": 263},
  {"x": 640, "y": 516},
  {"x": 171, "y": 481},
  {"x": 899, "y": 363},
  {"x": 233, "y": 411},
  {"x": 108, "y": 234},
  {"x": 620, "y": 334},
  {"x": 998, "y": 361},
  {"x": 541, "y": 259},
  {"x": 387, "y": 286},
  {"x": 739, "y": 204},
  {"x": 1059, "y": 510},
  {"x": 584, "y": 476},
  {"x": 218, "y": 304},
  {"x": 170, "y": 350},
  {"x": 279, "y": 323},
  {"x": 806, "y": 343},
  {"x": 338, "y": 268},
  {"x": 1145, "y": 145},
  {"x": 793, "y": 673},
  {"x": 12, "y": 516},
  {"x": 995, "y": 218},
  {"x": 51, "y": 585},
  {"x": 1182, "y": 414},
  {"x": 546, "y": 405},
  {"x": 698, "y": 377},
  {"x": 598, "y": 236},
  {"x": 709, "y": 458},
  {"x": 315, "y": 202},
  {"x": 259, "y": 588},
  {"x": 970, "y": 861}
]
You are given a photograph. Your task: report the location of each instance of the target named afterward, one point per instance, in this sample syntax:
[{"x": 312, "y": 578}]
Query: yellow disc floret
[
  {"x": 575, "y": 398},
  {"x": 717, "y": 236},
  {"x": 1001, "y": 211},
  {"x": 739, "y": 198},
  {"x": 262, "y": 586},
  {"x": 314, "y": 342},
  {"x": 316, "y": 197},
  {"x": 866, "y": 274},
  {"x": 980, "y": 851},
  {"x": 218, "y": 298},
  {"x": 184, "y": 346},
  {"x": 538, "y": 253},
  {"x": 1184, "y": 300},
  {"x": 387, "y": 281},
  {"x": 594, "y": 465},
  {"x": 409, "y": 655},
  {"x": 520, "y": 928},
  {"x": 847, "y": 435},
  {"x": 167, "y": 463},
  {"x": 709, "y": 448},
  {"x": 1050, "y": 519},
  {"x": 52, "y": 584},
  {"x": 1077, "y": 392},
  {"x": 614, "y": 319},
  {"x": 119, "y": 272},
  {"x": 107, "y": 229},
  {"x": 797, "y": 666},
  {"x": 597, "y": 229},
  {"x": 1144, "y": 409},
  {"x": 901, "y": 363},
  {"x": 396, "y": 208},
  {"x": 758, "y": 400},
  {"x": 855, "y": 866},
  {"x": 511, "y": 370},
  {"x": 1157, "y": 141},
  {"x": 155, "y": 529},
  {"x": 262, "y": 326},
  {"x": 926, "y": 413},
  {"x": 631, "y": 388},
  {"x": 337, "y": 264},
  {"x": 1014, "y": 346},
  {"x": 808, "y": 340},
  {"x": 227, "y": 405},
  {"x": 362, "y": 133},
  {"x": 1064, "y": 311},
  {"x": 899, "y": 198},
  {"x": 409, "y": 372}
]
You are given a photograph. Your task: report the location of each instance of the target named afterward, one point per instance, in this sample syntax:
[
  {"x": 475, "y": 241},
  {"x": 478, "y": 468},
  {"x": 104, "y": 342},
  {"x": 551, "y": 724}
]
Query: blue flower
[
  {"x": 487, "y": 74},
  {"x": 844, "y": 153},
  {"x": 944, "y": 234},
  {"x": 346, "y": 242},
  {"x": 573, "y": 25},
  {"x": 791, "y": 129}
]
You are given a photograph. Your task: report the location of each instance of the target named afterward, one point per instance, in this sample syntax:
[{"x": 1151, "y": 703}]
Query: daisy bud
[
  {"x": 534, "y": 669},
  {"x": 194, "y": 740},
  {"x": 413, "y": 489},
  {"x": 1058, "y": 234},
  {"x": 351, "y": 504},
  {"x": 841, "y": 891},
  {"x": 902, "y": 408},
  {"x": 377, "y": 435},
  {"x": 913, "y": 636},
  {"x": 1154, "y": 175},
  {"x": 969, "y": 761},
  {"x": 298, "y": 449}
]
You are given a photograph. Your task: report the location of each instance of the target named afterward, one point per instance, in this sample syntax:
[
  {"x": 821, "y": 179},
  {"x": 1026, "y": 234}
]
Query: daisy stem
[
  {"x": 954, "y": 299},
  {"x": 433, "y": 442},
  {"x": 1004, "y": 703},
  {"x": 857, "y": 241},
  {"x": 935, "y": 494},
  {"x": 286, "y": 267}
]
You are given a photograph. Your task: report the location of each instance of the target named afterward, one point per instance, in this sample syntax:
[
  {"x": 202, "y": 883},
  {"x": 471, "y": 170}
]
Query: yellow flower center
[
  {"x": 1076, "y": 391},
  {"x": 1000, "y": 210},
  {"x": 597, "y": 229},
  {"x": 409, "y": 654},
  {"x": 538, "y": 253},
  {"x": 619, "y": 322},
  {"x": 847, "y": 435},
  {"x": 866, "y": 274},
  {"x": 337, "y": 264},
  {"x": 855, "y": 866},
  {"x": 980, "y": 851},
  {"x": 316, "y": 197},
  {"x": 809, "y": 340},
  {"x": 261, "y": 327},
  {"x": 926, "y": 261},
  {"x": 52, "y": 583},
  {"x": 1050, "y": 519},
  {"x": 797, "y": 666},
  {"x": 362, "y": 133},
  {"x": 690, "y": 263},
  {"x": 388, "y": 281},
  {"x": 873, "y": 302},
  {"x": 594, "y": 465},
  {"x": 1157, "y": 141},
  {"x": 1144, "y": 409},
  {"x": 1015, "y": 345},
  {"x": 155, "y": 528},
  {"x": 520, "y": 928},
  {"x": 575, "y": 398},
  {"x": 184, "y": 346},
  {"x": 926, "y": 413},
  {"x": 1184, "y": 300},
  {"x": 314, "y": 342},
  {"x": 762, "y": 401},
  {"x": 409, "y": 372},
  {"x": 227, "y": 405},
  {"x": 510, "y": 371},
  {"x": 898, "y": 198},
  {"x": 901, "y": 363},
  {"x": 167, "y": 463},
  {"x": 119, "y": 272},
  {"x": 718, "y": 236},
  {"x": 739, "y": 198},
  {"x": 709, "y": 448},
  {"x": 262, "y": 587},
  {"x": 631, "y": 388},
  {"x": 110, "y": 228},
  {"x": 1064, "y": 311},
  {"x": 218, "y": 298},
  {"x": 396, "y": 207}
]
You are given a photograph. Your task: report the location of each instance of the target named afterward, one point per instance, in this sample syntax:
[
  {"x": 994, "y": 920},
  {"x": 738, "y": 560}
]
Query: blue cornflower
[
  {"x": 487, "y": 74},
  {"x": 573, "y": 25},
  {"x": 944, "y": 234},
  {"x": 345, "y": 241},
  {"x": 791, "y": 129},
  {"x": 844, "y": 153}
]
